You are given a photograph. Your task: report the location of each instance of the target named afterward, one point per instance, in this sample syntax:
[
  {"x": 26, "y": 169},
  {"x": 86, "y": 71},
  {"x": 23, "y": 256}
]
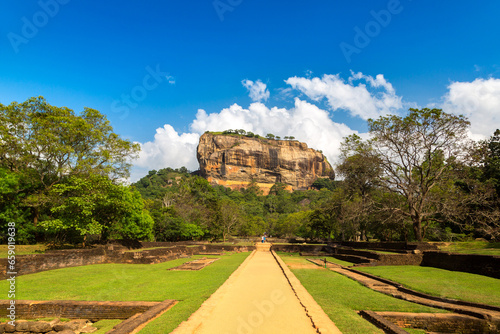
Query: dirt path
[{"x": 258, "y": 298}]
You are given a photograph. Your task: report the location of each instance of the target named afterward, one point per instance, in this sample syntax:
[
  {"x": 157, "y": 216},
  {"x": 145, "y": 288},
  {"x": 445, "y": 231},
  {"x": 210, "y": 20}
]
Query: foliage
[
  {"x": 60, "y": 175},
  {"x": 326, "y": 183},
  {"x": 416, "y": 177},
  {"x": 472, "y": 247},
  {"x": 157, "y": 183},
  {"x": 415, "y": 153},
  {"x": 95, "y": 205}
]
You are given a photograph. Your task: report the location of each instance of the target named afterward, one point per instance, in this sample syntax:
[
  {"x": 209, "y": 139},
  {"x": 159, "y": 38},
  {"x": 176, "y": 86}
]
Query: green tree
[
  {"x": 45, "y": 144},
  {"x": 361, "y": 170},
  {"x": 415, "y": 153},
  {"x": 492, "y": 161},
  {"x": 11, "y": 210},
  {"x": 231, "y": 218},
  {"x": 94, "y": 205},
  {"x": 291, "y": 224}
]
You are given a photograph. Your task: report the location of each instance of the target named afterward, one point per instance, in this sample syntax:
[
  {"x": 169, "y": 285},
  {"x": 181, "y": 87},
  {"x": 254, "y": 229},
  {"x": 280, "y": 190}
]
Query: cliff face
[{"x": 234, "y": 161}]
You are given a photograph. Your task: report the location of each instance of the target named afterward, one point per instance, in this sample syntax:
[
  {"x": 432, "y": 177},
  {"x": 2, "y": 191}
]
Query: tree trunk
[
  {"x": 417, "y": 228},
  {"x": 36, "y": 214}
]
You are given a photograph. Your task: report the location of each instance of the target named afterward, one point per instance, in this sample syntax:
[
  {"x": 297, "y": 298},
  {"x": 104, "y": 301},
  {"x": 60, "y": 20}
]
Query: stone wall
[
  {"x": 54, "y": 326},
  {"x": 27, "y": 264},
  {"x": 379, "y": 259},
  {"x": 297, "y": 248},
  {"x": 486, "y": 265},
  {"x": 73, "y": 309},
  {"x": 390, "y": 246},
  {"x": 440, "y": 322}
]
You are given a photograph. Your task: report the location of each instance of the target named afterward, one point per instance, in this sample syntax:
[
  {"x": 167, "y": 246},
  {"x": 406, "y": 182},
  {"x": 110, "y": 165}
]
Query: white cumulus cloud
[
  {"x": 370, "y": 98},
  {"x": 479, "y": 100},
  {"x": 169, "y": 149},
  {"x": 257, "y": 90}
]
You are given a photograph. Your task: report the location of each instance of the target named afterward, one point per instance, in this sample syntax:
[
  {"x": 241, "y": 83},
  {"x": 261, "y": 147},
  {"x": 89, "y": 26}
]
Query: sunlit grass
[
  {"x": 340, "y": 298},
  {"x": 472, "y": 247},
  {"x": 132, "y": 282},
  {"x": 442, "y": 283},
  {"x": 23, "y": 249}
]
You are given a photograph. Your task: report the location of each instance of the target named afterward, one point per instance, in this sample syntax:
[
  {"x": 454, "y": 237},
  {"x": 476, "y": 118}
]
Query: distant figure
[{"x": 263, "y": 239}]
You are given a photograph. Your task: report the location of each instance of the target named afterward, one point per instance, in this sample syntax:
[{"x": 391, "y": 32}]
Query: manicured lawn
[
  {"x": 340, "y": 298},
  {"x": 23, "y": 249},
  {"x": 104, "y": 326},
  {"x": 443, "y": 283},
  {"x": 129, "y": 282},
  {"x": 472, "y": 247},
  {"x": 339, "y": 262}
]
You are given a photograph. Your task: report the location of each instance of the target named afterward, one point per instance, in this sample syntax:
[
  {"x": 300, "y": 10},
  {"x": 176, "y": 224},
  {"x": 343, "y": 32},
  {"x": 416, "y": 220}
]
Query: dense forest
[{"x": 416, "y": 177}]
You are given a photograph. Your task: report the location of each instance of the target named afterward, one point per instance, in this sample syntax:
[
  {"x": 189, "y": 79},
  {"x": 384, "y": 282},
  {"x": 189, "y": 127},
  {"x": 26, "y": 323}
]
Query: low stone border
[
  {"x": 54, "y": 326},
  {"x": 138, "y": 321},
  {"x": 382, "y": 323},
  {"x": 197, "y": 264},
  {"x": 391, "y": 322},
  {"x": 73, "y": 309},
  {"x": 401, "y": 288}
]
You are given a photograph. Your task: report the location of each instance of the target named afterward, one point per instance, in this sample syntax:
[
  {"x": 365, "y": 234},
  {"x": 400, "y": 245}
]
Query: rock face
[{"x": 234, "y": 161}]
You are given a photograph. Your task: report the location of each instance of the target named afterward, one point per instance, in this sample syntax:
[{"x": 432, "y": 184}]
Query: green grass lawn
[
  {"x": 340, "y": 298},
  {"x": 132, "y": 282},
  {"x": 472, "y": 247},
  {"x": 23, "y": 249},
  {"x": 442, "y": 283}
]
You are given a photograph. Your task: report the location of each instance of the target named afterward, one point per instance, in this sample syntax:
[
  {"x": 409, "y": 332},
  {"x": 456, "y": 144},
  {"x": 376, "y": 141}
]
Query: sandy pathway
[{"x": 257, "y": 298}]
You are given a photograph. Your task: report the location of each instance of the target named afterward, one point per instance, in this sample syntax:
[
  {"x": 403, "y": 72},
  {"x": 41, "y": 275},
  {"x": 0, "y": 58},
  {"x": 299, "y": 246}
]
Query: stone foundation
[
  {"x": 487, "y": 265},
  {"x": 55, "y": 326},
  {"x": 439, "y": 322},
  {"x": 74, "y": 309}
]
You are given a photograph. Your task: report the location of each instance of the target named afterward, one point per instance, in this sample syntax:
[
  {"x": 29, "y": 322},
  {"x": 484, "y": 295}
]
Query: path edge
[
  {"x": 319, "y": 318},
  {"x": 195, "y": 320}
]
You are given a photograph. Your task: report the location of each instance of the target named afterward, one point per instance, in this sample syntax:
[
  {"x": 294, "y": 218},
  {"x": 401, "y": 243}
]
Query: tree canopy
[{"x": 63, "y": 168}]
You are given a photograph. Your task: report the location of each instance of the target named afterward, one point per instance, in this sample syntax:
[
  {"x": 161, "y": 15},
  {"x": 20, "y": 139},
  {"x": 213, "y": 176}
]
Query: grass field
[
  {"x": 442, "y": 283},
  {"x": 132, "y": 282},
  {"x": 472, "y": 247},
  {"x": 23, "y": 249},
  {"x": 340, "y": 297}
]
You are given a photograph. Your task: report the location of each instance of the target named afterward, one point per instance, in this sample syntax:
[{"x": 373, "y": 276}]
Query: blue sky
[{"x": 175, "y": 58}]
